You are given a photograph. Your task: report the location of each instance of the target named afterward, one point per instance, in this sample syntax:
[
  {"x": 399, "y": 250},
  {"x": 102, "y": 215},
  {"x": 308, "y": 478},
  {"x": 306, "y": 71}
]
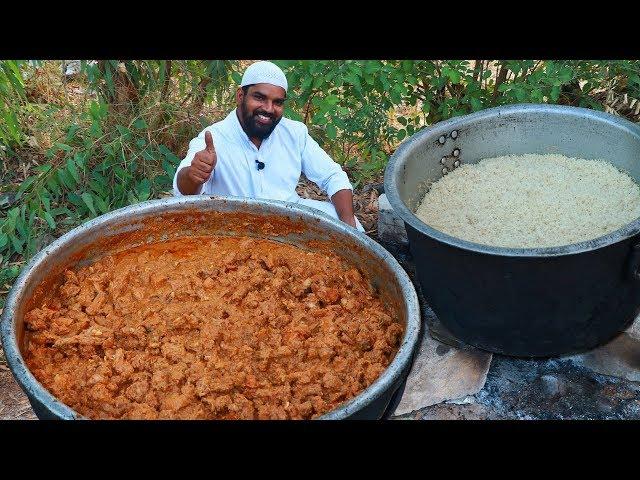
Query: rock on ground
[{"x": 441, "y": 372}]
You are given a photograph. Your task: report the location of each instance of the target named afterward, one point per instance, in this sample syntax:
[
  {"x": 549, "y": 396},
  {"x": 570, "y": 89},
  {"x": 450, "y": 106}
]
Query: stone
[
  {"x": 71, "y": 68},
  {"x": 442, "y": 372},
  {"x": 634, "y": 329},
  {"x": 551, "y": 386},
  {"x": 390, "y": 226},
  {"x": 618, "y": 358}
]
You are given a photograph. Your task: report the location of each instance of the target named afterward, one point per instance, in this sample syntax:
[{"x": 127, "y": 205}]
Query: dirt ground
[{"x": 14, "y": 404}]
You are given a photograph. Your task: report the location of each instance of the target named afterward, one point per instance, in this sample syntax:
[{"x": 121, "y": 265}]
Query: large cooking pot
[
  {"x": 530, "y": 301},
  {"x": 199, "y": 215}
]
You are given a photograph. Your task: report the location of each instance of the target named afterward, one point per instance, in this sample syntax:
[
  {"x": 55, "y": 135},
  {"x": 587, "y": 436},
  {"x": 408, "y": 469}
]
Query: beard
[{"x": 252, "y": 127}]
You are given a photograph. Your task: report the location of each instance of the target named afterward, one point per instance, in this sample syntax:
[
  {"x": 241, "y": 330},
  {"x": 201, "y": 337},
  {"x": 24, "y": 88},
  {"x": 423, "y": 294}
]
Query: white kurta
[{"x": 287, "y": 152}]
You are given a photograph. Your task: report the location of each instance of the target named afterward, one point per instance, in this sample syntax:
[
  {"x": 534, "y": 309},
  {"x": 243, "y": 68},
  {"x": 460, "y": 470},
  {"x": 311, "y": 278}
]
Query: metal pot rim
[
  {"x": 399, "y": 363},
  {"x": 396, "y": 162}
]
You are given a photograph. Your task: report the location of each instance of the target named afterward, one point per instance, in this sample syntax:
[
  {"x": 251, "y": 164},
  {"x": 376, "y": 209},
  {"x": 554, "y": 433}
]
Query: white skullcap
[{"x": 264, "y": 72}]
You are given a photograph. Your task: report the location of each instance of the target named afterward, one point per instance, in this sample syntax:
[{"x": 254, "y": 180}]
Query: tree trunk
[{"x": 502, "y": 76}]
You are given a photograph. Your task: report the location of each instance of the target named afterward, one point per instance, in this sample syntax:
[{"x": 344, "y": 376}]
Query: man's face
[{"x": 260, "y": 109}]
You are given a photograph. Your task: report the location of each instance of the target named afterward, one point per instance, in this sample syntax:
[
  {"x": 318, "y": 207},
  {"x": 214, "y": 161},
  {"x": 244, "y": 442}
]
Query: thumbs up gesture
[{"x": 203, "y": 162}]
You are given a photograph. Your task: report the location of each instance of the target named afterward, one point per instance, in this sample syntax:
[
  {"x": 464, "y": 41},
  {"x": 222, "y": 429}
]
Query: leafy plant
[{"x": 12, "y": 99}]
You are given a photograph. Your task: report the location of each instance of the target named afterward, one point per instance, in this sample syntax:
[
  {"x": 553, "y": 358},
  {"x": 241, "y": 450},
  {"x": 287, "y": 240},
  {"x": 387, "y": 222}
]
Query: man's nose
[{"x": 268, "y": 106}]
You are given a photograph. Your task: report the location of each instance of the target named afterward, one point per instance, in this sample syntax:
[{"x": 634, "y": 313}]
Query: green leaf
[
  {"x": 12, "y": 215},
  {"x": 4, "y": 239},
  {"x": 75, "y": 199},
  {"x": 17, "y": 243},
  {"x": 144, "y": 189},
  {"x": 555, "y": 93},
  {"x": 131, "y": 198},
  {"x": 71, "y": 133},
  {"x": 24, "y": 186},
  {"x": 71, "y": 168},
  {"x": 96, "y": 130},
  {"x": 63, "y": 146},
  {"x": 21, "y": 227},
  {"x": 124, "y": 131},
  {"x": 306, "y": 83},
  {"x": 371, "y": 66},
  {"x": 80, "y": 159},
  {"x": 332, "y": 133},
  {"x": 454, "y": 76},
  {"x": 88, "y": 201},
  {"x": 53, "y": 185},
  {"x": 565, "y": 74},
  {"x": 65, "y": 178},
  {"x": 332, "y": 100},
  {"x": 50, "y": 220},
  {"x": 140, "y": 124},
  {"x": 43, "y": 168},
  {"x": 169, "y": 155},
  {"x": 103, "y": 206},
  {"x": 98, "y": 187},
  {"x": 476, "y": 104}
]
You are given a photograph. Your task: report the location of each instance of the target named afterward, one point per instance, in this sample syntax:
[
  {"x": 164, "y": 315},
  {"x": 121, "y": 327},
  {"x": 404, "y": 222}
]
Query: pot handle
[{"x": 634, "y": 262}]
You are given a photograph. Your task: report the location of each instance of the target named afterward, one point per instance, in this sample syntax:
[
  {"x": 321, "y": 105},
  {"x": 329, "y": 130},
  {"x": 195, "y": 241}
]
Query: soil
[{"x": 14, "y": 404}]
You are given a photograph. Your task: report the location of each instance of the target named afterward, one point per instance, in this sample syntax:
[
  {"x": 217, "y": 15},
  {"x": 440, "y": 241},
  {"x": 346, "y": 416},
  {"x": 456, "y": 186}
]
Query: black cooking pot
[{"x": 524, "y": 302}]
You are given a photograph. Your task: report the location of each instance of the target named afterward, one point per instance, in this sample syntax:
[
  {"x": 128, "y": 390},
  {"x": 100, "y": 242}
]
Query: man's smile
[{"x": 263, "y": 119}]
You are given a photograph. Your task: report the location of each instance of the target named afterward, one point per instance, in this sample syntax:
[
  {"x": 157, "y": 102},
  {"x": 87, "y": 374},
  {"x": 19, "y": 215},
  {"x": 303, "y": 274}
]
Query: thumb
[{"x": 208, "y": 140}]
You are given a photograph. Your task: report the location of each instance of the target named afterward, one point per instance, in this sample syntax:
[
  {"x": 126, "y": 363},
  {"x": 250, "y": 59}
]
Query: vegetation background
[{"x": 75, "y": 147}]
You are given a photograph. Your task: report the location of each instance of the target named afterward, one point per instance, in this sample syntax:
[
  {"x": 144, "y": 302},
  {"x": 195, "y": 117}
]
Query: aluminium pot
[
  {"x": 158, "y": 220},
  {"x": 529, "y": 302}
]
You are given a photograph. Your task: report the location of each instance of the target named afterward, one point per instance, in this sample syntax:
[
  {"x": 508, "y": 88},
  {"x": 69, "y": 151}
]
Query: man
[{"x": 255, "y": 152}]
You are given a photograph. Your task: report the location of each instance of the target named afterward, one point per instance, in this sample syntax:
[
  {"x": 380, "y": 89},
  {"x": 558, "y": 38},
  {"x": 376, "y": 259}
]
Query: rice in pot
[{"x": 531, "y": 201}]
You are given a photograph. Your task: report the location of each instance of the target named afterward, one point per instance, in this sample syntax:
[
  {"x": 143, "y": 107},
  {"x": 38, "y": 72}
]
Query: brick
[{"x": 390, "y": 226}]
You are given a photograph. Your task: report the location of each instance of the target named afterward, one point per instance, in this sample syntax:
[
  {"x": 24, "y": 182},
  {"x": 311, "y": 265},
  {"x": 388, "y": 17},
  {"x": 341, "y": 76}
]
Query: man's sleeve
[
  {"x": 320, "y": 167},
  {"x": 196, "y": 145}
]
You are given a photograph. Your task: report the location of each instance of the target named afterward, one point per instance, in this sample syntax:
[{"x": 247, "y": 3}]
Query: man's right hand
[
  {"x": 203, "y": 162},
  {"x": 191, "y": 179}
]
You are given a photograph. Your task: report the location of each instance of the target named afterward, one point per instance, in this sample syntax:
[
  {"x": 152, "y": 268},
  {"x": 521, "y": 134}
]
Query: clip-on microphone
[{"x": 260, "y": 164}]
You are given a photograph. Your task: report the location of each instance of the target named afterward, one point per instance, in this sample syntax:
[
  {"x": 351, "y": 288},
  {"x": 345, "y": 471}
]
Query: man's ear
[{"x": 239, "y": 95}]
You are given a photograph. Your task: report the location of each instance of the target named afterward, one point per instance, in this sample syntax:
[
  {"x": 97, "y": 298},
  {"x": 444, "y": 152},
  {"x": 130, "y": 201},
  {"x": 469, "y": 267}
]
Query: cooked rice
[{"x": 529, "y": 201}]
